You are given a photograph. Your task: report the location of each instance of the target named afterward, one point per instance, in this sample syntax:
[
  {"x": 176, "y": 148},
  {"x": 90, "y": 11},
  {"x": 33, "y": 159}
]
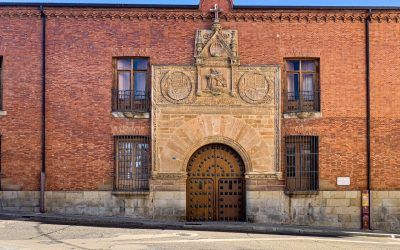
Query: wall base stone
[
  {"x": 341, "y": 209},
  {"x": 385, "y": 210},
  {"x": 167, "y": 205},
  {"x": 326, "y": 208},
  {"x": 19, "y": 201}
]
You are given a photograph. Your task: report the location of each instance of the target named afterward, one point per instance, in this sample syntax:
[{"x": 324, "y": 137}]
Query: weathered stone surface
[
  {"x": 385, "y": 210},
  {"x": 155, "y": 204},
  {"x": 261, "y": 206},
  {"x": 20, "y": 201},
  {"x": 315, "y": 210}
]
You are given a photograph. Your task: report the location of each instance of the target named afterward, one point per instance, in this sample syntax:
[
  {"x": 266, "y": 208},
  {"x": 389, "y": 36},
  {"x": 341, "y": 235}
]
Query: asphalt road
[{"x": 20, "y": 234}]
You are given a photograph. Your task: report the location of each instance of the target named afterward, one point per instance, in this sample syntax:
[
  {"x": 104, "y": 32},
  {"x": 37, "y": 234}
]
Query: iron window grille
[
  {"x": 301, "y": 153},
  {"x": 301, "y": 91},
  {"x": 132, "y": 163},
  {"x": 131, "y": 92}
]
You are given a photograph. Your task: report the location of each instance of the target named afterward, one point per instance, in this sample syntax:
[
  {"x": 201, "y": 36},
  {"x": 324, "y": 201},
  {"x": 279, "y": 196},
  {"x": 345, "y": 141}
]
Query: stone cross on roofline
[{"x": 216, "y": 12}]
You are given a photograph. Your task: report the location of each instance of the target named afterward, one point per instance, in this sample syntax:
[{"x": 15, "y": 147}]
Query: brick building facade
[{"x": 269, "y": 115}]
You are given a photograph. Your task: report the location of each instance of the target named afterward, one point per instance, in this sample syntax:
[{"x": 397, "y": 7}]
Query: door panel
[
  {"x": 201, "y": 195},
  {"x": 230, "y": 203},
  {"x": 215, "y": 185}
]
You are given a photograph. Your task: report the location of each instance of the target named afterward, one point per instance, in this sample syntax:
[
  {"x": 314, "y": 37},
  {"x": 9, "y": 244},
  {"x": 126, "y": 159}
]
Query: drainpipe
[
  {"x": 43, "y": 171},
  {"x": 366, "y": 197}
]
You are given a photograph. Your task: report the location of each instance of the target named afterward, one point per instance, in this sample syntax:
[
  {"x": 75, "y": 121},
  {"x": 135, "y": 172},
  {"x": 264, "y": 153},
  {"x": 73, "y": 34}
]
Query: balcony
[
  {"x": 303, "y": 101},
  {"x": 130, "y": 101}
]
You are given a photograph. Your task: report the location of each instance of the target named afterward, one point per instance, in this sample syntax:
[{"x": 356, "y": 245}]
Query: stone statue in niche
[
  {"x": 216, "y": 59},
  {"x": 216, "y": 82}
]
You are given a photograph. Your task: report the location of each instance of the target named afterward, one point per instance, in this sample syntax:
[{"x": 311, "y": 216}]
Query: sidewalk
[{"x": 244, "y": 227}]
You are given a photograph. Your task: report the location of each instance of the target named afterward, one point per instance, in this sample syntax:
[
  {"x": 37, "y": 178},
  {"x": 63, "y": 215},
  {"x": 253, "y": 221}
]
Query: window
[
  {"x": 301, "y": 163},
  {"x": 1, "y": 84},
  {"x": 131, "y": 90},
  {"x": 132, "y": 157},
  {"x": 302, "y": 86}
]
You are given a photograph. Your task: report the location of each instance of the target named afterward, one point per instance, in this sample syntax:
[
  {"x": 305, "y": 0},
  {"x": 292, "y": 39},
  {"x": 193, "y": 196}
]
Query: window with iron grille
[
  {"x": 1, "y": 83},
  {"x": 301, "y": 91},
  {"x": 132, "y": 161},
  {"x": 131, "y": 89},
  {"x": 301, "y": 163}
]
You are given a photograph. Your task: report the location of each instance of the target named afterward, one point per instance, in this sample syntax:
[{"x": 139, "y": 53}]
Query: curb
[{"x": 123, "y": 222}]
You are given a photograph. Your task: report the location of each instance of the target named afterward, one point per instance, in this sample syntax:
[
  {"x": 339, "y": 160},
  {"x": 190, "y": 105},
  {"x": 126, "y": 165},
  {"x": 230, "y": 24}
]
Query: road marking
[
  {"x": 141, "y": 241},
  {"x": 272, "y": 239},
  {"x": 146, "y": 236}
]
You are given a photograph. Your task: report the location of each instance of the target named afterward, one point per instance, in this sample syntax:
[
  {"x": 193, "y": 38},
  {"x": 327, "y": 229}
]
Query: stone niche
[{"x": 216, "y": 100}]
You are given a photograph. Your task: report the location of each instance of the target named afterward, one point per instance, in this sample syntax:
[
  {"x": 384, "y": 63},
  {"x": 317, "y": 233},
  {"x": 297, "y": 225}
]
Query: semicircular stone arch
[{"x": 175, "y": 152}]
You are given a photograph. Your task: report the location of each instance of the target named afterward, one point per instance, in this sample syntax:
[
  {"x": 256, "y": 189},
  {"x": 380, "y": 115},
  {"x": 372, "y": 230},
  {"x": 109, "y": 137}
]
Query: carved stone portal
[
  {"x": 215, "y": 100},
  {"x": 216, "y": 78}
]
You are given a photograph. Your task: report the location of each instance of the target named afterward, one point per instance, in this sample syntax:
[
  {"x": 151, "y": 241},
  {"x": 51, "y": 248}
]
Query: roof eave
[{"x": 193, "y": 7}]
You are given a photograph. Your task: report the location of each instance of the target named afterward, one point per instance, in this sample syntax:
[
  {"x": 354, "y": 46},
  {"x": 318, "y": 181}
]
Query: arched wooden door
[{"x": 216, "y": 185}]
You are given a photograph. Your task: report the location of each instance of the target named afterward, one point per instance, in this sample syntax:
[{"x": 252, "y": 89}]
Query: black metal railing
[
  {"x": 132, "y": 163},
  {"x": 301, "y": 153},
  {"x": 130, "y": 101},
  {"x": 302, "y": 101}
]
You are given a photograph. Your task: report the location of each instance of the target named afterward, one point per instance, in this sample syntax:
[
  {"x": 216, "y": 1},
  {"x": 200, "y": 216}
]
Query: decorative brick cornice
[
  {"x": 185, "y": 15},
  {"x": 198, "y": 16},
  {"x": 297, "y": 17},
  {"x": 19, "y": 13},
  {"x": 386, "y": 17}
]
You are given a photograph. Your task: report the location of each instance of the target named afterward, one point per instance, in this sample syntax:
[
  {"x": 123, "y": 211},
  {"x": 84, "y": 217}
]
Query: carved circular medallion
[
  {"x": 255, "y": 88},
  {"x": 176, "y": 86},
  {"x": 216, "y": 49}
]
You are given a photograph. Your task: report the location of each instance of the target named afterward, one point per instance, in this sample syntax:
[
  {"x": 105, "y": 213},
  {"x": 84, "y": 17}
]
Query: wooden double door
[{"x": 216, "y": 185}]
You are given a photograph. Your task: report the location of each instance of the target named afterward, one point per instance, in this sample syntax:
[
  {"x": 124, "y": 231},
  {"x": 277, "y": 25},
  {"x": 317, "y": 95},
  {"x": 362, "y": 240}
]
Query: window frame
[
  {"x": 139, "y": 179},
  {"x": 316, "y": 88},
  {"x": 300, "y": 174},
  {"x": 132, "y": 73},
  {"x": 129, "y": 100}
]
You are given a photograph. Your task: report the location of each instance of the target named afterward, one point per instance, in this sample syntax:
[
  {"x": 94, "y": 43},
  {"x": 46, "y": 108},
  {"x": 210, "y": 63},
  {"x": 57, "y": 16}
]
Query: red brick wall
[
  {"x": 385, "y": 105},
  {"x": 341, "y": 130},
  {"x": 20, "y": 128},
  {"x": 79, "y": 76}
]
